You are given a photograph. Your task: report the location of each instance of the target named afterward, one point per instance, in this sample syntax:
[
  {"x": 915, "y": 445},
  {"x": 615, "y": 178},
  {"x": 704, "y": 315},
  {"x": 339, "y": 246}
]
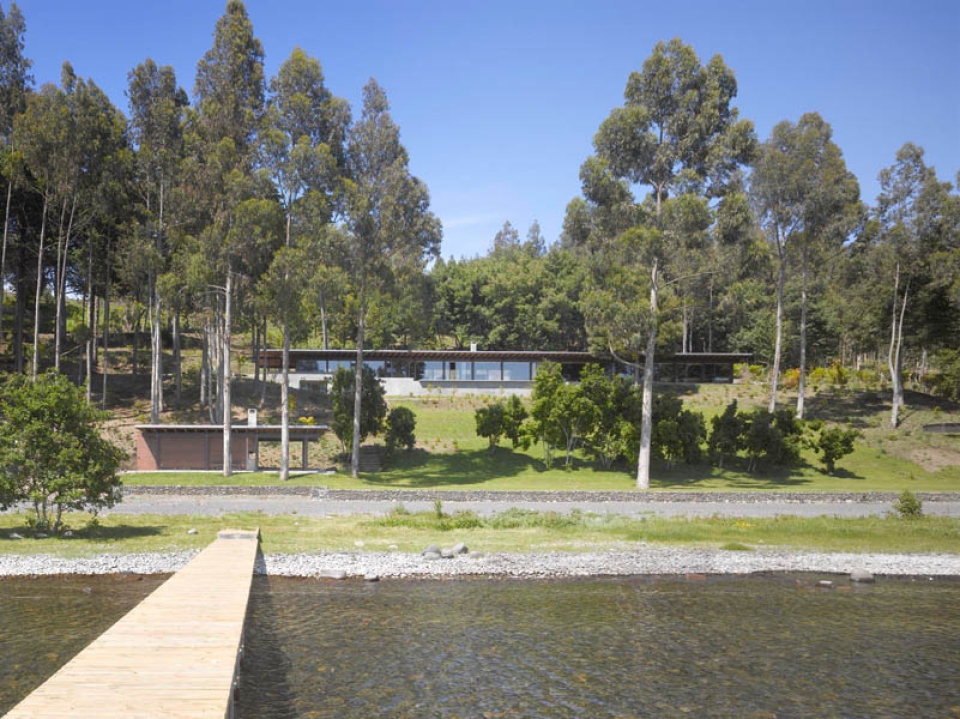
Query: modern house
[{"x": 491, "y": 372}]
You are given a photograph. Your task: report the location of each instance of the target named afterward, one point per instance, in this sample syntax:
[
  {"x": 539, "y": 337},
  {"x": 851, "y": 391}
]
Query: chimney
[
  {"x": 252, "y": 417},
  {"x": 473, "y": 346}
]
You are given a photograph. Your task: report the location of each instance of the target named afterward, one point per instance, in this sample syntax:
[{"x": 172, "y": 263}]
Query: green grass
[
  {"x": 449, "y": 455},
  {"x": 512, "y": 531}
]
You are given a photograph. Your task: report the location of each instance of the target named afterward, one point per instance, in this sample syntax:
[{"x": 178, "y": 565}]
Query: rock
[
  {"x": 447, "y": 553},
  {"x": 432, "y": 555},
  {"x": 14, "y": 535},
  {"x": 862, "y": 576},
  {"x": 460, "y": 548},
  {"x": 825, "y": 584},
  {"x": 432, "y": 549},
  {"x": 358, "y": 543},
  {"x": 371, "y": 577},
  {"x": 68, "y": 533},
  {"x": 333, "y": 574},
  {"x": 393, "y": 547},
  {"x": 41, "y": 535},
  {"x": 191, "y": 531}
]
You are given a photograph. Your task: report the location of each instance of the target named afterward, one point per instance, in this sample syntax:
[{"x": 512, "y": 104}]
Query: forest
[{"x": 270, "y": 209}]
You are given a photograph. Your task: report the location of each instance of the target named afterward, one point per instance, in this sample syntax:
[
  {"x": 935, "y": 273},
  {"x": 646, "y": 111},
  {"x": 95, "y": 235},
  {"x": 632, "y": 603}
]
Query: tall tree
[
  {"x": 229, "y": 90},
  {"x": 917, "y": 223},
  {"x": 156, "y": 122},
  {"x": 679, "y": 136},
  {"x": 303, "y": 148},
  {"x": 807, "y": 200},
  {"x": 15, "y": 80},
  {"x": 388, "y": 216}
]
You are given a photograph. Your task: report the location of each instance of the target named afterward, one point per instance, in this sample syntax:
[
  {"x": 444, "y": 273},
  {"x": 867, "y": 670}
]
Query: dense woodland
[{"x": 268, "y": 207}]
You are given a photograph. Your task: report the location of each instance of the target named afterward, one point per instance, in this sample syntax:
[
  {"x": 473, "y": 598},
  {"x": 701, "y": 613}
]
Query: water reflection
[{"x": 724, "y": 647}]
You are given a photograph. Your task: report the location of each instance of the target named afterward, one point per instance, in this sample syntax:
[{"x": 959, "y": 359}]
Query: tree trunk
[
  {"x": 60, "y": 295},
  {"x": 895, "y": 358},
  {"x": 225, "y": 359},
  {"x": 285, "y": 406},
  {"x": 106, "y": 331},
  {"x": 156, "y": 353},
  {"x": 263, "y": 344},
  {"x": 177, "y": 359},
  {"x": 775, "y": 370},
  {"x": 802, "y": 386},
  {"x": 92, "y": 333},
  {"x": 36, "y": 305},
  {"x": 204, "y": 364},
  {"x": 358, "y": 389},
  {"x": 323, "y": 319},
  {"x": 3, "y": 257},
  {"x": 646, "y": 422}
]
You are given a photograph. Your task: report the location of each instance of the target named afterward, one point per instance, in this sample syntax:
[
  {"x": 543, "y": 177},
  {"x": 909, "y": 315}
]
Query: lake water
[
  {"x": 762, "y": 646},
  {"x": 639, "y": 647}
]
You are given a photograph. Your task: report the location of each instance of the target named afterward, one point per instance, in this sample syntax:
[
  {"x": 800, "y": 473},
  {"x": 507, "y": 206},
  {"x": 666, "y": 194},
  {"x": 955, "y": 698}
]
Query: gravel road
[{"x": 319, "y": 503}]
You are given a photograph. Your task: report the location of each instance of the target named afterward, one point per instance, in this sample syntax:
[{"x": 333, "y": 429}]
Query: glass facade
[
  {"x": 432, "y": 371},
  {"x": 487, "y": 371},
  {"x": 516, "y": 371}
]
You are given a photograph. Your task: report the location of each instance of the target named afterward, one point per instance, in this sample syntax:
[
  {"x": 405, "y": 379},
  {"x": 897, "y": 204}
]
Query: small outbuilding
[{"x": 200, "y": 446}]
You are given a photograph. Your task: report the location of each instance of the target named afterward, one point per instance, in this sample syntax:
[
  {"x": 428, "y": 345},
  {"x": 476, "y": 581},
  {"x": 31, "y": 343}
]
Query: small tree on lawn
[
  {"x": 832, "y": 443},
  {"x": 490, "y": 423},
  {"x": 52, "y": 453},
  {"x": 726, "y": 436},
  {"x": 401, "y": 429},
  {"x": 373, "y": 408}
]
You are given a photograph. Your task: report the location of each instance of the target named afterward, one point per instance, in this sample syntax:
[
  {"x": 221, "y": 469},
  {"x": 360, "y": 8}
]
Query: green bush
[
  {"x": 908, "y": 506},
  {"x": 401, "y": 429},
  {"x": 834, "y": 443}
]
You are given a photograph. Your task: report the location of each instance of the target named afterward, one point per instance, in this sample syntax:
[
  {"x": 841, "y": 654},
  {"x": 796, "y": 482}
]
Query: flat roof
[
  {"x": 499, "y": 355},
  {"x": 298, "y": 431}
]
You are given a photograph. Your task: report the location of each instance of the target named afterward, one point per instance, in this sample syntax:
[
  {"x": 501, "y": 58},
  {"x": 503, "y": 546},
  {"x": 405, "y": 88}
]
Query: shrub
[
  {"x": 908, "y": 506},
  {"x": 401, "y": 427},
  {"x": 833, "y": 444},
  {"x": 52, "y": 452}
]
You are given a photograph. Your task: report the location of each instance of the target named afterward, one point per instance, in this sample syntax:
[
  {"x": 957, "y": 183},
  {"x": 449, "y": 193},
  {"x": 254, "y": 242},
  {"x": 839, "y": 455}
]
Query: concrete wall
[{"x": 407, "y": 387}]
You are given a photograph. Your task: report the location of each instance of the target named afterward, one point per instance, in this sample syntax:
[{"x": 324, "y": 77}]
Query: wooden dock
[{"x": 176, "y": 654}]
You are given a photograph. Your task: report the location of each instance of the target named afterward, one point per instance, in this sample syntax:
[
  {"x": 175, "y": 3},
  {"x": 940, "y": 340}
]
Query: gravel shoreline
[{"x": 401, "y": 565}]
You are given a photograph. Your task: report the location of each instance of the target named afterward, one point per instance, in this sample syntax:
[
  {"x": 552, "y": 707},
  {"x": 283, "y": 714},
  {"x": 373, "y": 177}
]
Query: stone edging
[{"x": 428, "y": 495}]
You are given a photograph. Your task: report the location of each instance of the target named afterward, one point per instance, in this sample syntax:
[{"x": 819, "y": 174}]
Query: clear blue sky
[{"x": 498, "y": 101}]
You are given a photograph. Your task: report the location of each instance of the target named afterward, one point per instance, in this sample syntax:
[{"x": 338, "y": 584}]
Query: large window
[
  {"x": 516, "y": 371},
  {"x": 307, "y": 365},
  {"x": 432, "y": 371},
  {"x": 487, "y": 371}
]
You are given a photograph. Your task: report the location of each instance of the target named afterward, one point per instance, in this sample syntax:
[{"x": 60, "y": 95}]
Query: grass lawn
[
  {"x": 512, "y": 531},
  {"x": 449, "y": 455}
]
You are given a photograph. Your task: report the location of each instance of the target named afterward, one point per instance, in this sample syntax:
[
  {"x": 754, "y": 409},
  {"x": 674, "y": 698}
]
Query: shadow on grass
[
  {"x": 735, "y": 476},
  {"x": 420, "y": 468},
  {"x": 115, "y": 533}
]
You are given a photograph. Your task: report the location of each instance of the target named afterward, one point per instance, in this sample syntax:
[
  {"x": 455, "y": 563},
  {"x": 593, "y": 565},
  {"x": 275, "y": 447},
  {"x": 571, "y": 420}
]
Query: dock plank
[{"x": 173, "y": 655}]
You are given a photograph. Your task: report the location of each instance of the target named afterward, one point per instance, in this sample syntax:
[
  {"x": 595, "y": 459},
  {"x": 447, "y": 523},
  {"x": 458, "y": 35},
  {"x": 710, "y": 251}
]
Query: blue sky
[{"x": 498, "y": 102}]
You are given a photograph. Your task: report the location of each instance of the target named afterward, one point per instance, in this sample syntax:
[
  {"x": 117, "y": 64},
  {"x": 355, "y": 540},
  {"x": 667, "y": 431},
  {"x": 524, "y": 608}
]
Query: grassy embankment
[
  {"x": 512, "y": 531},
  {"x": 449, "y": 455}
]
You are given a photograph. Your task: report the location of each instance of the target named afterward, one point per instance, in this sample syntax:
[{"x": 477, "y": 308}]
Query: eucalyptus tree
[
  {"x": 156, "y": 124},
  {"x": 388, "y": 216},
  {"x": 303, "y": 150},
  {"x": 15, "y": 81},
  {"x": 807, "y": 200},
  {"x": 42, "y": 133},
  {"x": 918, "y": 225},
  {"x": 679, "y": 136},
  {"x": 230, "y": 90}
]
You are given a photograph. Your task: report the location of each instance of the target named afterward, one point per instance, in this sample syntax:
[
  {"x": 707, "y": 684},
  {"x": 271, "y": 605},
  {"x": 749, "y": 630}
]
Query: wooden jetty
[{"x": 176, "y": 654}]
